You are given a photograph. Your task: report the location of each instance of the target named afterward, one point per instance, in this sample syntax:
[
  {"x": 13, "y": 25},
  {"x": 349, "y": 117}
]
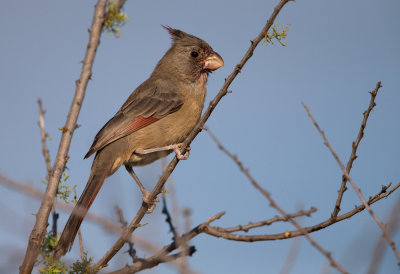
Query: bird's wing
[{"x": 150, "y": 102}]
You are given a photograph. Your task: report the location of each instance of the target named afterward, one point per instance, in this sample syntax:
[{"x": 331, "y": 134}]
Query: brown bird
[{"x": 152, "y": 123}]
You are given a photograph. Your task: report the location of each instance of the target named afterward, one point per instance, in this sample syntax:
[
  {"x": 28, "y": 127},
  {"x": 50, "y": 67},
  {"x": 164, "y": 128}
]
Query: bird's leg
[
  {"x": 176, "y": 148},
  {"x": 145, "y": 192}
]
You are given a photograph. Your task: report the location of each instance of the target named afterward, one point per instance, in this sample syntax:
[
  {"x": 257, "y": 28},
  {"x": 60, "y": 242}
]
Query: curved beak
[{"x": 213, "y": 62}]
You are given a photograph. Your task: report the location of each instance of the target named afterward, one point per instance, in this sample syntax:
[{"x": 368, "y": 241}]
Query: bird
[{"x": 153, "y": 122}]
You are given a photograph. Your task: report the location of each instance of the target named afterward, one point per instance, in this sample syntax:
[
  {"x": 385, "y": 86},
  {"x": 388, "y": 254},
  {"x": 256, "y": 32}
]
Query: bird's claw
[
  {"x": 179, "y": 155},
  {"x": 151, "y": 203}
]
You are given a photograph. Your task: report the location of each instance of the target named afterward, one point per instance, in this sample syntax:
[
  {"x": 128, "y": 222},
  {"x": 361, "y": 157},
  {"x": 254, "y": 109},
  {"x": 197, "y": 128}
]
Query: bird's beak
[{"x": 213, "y": 62}]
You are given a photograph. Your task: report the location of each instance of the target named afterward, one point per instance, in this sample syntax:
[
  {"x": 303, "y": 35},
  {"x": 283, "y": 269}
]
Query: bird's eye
[{"x": 194, "y": 54}]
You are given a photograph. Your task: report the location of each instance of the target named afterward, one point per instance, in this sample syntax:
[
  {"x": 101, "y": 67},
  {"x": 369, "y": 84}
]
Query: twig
[
  {"x": 162, "y": 255},
  {"x": 380, "y": 247},
  {"x": 170, "y": 168},
  {"x": 183, "y": 264},
  {"x": 81, "y": 248},
  {"x": 115, "y": 228},
  {"x": 124, "y": 223},
  {"x": 183, "y": 268},
  {"x": 275, "y": 205},
  {"x": 43, "y": 136},
  {"x": 106, "y": 224},
  {"x": 39, "y": 230},
  {"x": 348, "y": 178},
  {"x": 142, "y": 264},
  {"x": 168, "y": 219},
  {"x": 354, "y": 146},
  {"x": 295, "y": 233},
  {"x": 182, "y": 261},
  {"x": 46, "y": 156},
  {"x": 275, "y": 219}
]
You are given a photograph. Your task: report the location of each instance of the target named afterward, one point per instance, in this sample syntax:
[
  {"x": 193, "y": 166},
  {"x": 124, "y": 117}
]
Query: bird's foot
[
  {"x": 176, "y": 148},
  {"x": 150, "y": 203}
]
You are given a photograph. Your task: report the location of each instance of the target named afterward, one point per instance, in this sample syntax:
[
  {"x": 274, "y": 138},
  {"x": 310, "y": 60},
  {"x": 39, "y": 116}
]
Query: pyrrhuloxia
[{"x": 152, "y": 122}]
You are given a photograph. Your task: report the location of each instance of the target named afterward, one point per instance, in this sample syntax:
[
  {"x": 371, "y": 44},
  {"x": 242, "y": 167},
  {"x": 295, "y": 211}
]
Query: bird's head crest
[{"x": 175, "y": 33}]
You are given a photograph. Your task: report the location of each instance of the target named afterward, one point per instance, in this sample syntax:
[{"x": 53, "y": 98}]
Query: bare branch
[
  {"x": 168, "y": 218},
  {"x": 170, "y": 168},
  {"x": 162, "y": 255},
  {"x": 272, "y": 204},
  {"x": 142, "y": 264},
  {"x": 81, "y": 248},
  {"x": 105, "y": 223},
  {"x": 46, "y": 156},
  {"x": 39, "y": 230},
  {"x": 379, "y": 249},
  {"x": 348, "y": 178},
  {"x": 275, "y": 219},
  {"x": 354, "y": 146},
  {"x": 43, "y": 136}
]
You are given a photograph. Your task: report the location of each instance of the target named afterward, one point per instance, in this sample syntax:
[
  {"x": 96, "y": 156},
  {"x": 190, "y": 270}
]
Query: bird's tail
[{"x": 100, "y": 171}]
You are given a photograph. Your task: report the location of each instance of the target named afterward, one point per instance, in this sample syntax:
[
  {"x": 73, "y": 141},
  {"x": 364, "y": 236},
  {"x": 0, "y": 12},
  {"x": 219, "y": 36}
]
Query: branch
[
  {"x": 142, "y": 264},
  {"x": 121, "y": 219},
  {"x": 170, "y": 168},
  {"x": 43, "y": 136},
  {"x": 39, "y": 230},
  {"x": 380, "y": 247},
  {"x": 214, "y": 231},
  {"x": 105, "y": 223},
  {"x": 162, "y": 256},
  {"x": 348, "y": 178},
  {"x": 46, "y": 156},
  {"x": 252, "y": 225},
  {"x": 354, "y": 146},
  {"x": 168, "y": 219},
  {"x": 272, "y": 204}
]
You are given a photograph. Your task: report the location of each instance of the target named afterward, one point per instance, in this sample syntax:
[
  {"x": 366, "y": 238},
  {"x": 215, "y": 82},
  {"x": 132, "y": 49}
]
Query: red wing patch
[{"x": 139, "y": 123}]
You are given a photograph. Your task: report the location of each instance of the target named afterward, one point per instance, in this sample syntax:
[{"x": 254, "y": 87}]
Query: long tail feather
[{"x": 100, "y": 171}]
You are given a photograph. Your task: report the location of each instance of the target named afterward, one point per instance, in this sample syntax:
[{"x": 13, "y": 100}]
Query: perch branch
[{"x": 170, "y": 168}]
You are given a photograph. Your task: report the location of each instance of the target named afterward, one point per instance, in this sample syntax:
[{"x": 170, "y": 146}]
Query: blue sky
[{"x": 337, "y": 51}]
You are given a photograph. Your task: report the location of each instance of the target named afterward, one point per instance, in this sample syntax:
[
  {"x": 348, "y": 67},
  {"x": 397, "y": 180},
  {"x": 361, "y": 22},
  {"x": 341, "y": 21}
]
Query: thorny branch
[
  {"x": 170, "y": 168},
  {"x": 105, "y": 223},
  {"x": 162, "y": 255},
  {"x": 39, "y": 230},
  {"x": 219, "y": 232},
  {"x": 268, "y": 222},
  {"x": 274, "y": 205},
  {"x": 225, "y": 233},
  {"x": 46, "y": 155},
  {"x": 350, "y": 180},
  {"x": 215, "y": 231},
  {"x": 354, "y": 146},
  {"x": 44, "y": 136},
  {"x": 168, "y": 219}
]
